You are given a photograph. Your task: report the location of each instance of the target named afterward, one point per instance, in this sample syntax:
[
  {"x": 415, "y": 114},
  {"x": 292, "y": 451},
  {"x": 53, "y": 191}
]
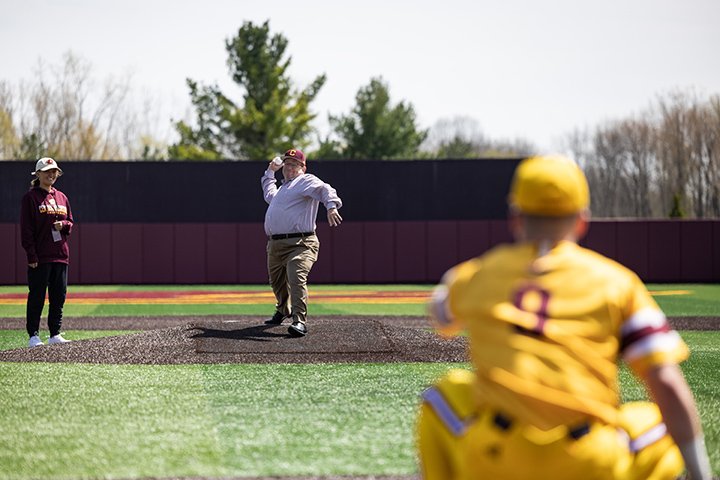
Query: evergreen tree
[
  {"x": 273, "y": 115},
  {"x": 375, "y": 129}
]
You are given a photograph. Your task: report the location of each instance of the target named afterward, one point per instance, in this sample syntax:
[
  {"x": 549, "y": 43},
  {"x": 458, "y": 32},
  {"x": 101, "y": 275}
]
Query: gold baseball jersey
[{"x": 547, "y": 332}]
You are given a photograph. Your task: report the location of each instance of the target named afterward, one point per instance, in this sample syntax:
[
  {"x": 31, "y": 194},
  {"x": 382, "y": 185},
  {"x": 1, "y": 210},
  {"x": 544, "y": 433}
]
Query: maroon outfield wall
[
  {"x": 405, "y": 221},
  {"x": 356, "y": 252}
]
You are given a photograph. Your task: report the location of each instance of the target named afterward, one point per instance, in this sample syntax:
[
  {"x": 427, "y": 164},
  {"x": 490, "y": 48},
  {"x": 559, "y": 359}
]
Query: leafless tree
[
  {"x": 64, "y": 112},
  {"x": 608, "y": 163},
  {"x": 8, "y": 136},
  {"x": 641, "y": 166},
  {"x": 688, "y": 144},
  {"x": 712, "y": 150},
  {"x": 637, "y": 137},
  {"x": 704, "y": 144}
]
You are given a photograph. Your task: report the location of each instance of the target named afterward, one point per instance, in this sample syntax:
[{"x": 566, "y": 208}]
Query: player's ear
[
  {"x": 515, "y": 223},
  {"x": 582, "y": 223}
]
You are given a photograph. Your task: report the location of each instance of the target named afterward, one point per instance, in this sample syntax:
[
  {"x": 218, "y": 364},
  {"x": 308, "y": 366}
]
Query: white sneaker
[
  {"x": 57, "y": 339},
  {"x": 35, "y": 341}
]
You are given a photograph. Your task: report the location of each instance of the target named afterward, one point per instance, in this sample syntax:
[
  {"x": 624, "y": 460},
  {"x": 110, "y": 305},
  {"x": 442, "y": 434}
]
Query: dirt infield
[
  {"x": 246, "y": 339},
  {"x": 226, "y": 339}
]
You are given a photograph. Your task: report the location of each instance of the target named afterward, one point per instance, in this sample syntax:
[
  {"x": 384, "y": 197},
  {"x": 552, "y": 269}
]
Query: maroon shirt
[{"x": 40, "y": 209}]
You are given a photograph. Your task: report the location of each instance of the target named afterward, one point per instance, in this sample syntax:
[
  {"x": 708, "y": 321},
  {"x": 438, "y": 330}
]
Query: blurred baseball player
[{"x": 547, "y": 321}]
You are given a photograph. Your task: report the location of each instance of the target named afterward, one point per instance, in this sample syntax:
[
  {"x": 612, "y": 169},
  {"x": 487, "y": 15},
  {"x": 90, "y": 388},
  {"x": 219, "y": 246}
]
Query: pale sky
[{"x": 528, "y": 69}]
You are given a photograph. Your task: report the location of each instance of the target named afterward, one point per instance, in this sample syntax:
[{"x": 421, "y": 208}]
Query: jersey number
[{"x": 533, "y": 299}]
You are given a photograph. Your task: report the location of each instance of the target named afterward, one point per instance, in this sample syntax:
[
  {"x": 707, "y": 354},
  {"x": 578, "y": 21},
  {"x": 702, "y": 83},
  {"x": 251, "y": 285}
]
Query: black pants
[{"x": 50, "y": 277}]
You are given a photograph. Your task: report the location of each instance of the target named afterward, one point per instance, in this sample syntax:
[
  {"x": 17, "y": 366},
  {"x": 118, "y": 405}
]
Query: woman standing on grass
[{"x": 46, "y": 222}]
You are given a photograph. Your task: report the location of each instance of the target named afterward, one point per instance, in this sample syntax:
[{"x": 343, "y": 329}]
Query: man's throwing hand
[
  {"x": 334, "y": 218},
  {"x": 276, "y": 164}
]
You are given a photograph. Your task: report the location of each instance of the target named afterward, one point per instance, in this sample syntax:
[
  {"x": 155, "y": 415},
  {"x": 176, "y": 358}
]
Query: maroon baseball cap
[{"x": 295, "y": 154}]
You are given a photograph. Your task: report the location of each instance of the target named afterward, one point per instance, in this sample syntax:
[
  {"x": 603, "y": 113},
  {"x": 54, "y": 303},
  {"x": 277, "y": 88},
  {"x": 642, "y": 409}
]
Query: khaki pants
[{"x": 289, "y": 262}]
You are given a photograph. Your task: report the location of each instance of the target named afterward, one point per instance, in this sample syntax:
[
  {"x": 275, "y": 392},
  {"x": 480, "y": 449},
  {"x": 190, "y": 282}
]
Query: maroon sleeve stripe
[{"x": 634, "y": 336}]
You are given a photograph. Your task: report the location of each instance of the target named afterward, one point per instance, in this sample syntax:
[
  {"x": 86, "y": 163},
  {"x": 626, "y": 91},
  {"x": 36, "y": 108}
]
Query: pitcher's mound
[{"x": 244, "y": 340}]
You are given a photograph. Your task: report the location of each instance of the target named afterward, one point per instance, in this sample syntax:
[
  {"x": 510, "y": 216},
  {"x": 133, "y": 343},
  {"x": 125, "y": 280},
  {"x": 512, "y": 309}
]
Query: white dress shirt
[{"x": 293, "y": 207}]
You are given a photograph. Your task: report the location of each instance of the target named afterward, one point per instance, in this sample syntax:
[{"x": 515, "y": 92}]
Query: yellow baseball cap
[{"x": 550, "y": 185}]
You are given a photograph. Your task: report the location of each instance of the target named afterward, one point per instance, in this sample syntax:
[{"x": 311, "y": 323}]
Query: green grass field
[{"x": 62, "y": 421}]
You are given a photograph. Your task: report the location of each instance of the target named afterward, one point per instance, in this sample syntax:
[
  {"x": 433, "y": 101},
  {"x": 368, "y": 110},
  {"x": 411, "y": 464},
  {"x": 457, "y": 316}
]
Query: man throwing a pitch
[
  {"x": 548, "y": 322},
  {"x": 293, "y": 247}
]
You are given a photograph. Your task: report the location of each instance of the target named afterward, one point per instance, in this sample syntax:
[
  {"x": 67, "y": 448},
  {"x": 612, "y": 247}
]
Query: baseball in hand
[{"x": 277, "y": 161}]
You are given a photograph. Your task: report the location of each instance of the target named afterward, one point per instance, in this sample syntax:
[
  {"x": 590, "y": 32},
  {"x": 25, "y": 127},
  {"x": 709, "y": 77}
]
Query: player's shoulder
[
  {"x": 598, "y": 261},
  {"x": 505, "y": 254},
  {"x": 473, "y": 266},
  {"x": 598, "y": 270}
]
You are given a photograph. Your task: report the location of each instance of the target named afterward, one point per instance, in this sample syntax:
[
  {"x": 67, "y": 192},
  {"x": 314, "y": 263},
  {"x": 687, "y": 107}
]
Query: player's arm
[
  {"x": 440, "y": 316},
  {"x": 673, "y": 396},
  {"x": 654, "y": 351},
  {"x": 440, "y": 310}
]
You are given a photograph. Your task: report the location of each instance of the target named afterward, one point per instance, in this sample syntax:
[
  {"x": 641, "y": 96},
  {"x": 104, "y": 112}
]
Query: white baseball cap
[{"x": 45, "y": 164}]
